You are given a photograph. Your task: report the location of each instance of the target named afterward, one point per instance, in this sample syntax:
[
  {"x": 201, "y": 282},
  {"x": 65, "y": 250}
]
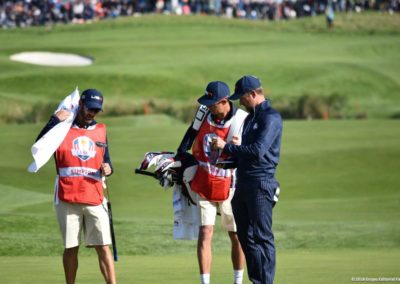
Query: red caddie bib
[
  {"x": 78, "y": 162},
  {"x": 210, "y": 182}
]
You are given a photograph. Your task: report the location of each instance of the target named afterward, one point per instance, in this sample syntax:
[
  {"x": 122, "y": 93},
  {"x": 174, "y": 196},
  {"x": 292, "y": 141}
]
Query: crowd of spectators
[{"x": 22, "y": 13}]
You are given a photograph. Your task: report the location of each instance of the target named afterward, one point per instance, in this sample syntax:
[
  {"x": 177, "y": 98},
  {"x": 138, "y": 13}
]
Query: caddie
[
  {"x": 81, "y": 160},
  {"x": 212, "y": 187}
]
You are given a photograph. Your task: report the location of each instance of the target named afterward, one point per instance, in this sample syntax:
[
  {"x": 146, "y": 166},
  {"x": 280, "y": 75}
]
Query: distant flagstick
[{"x": 45, "y": 147}]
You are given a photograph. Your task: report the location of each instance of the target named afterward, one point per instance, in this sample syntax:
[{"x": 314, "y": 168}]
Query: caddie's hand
[
  {"x": 235, "y": 140},
  {"x": 106, "y": 169},
  {"x": 218, "y": 143},
  {"x": 62, "y": 114}
]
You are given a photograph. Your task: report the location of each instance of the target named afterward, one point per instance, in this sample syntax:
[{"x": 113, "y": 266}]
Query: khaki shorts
[
  {"x": 72, "y": 217},
  {"x": 208, "y": 211}
]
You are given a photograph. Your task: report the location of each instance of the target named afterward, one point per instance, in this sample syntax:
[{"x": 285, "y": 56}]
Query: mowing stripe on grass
[{"x": 14, "y": 197}]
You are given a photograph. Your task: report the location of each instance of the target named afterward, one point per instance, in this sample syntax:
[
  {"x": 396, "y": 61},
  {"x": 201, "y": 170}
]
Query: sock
[
  {"x": 237, "y": 276},
  {"x": 205, "y": 278}
]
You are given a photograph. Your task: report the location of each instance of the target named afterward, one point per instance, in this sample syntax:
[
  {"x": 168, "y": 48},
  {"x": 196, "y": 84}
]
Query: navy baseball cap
[
  {"x": 245, "y": 84},
  {"x": 92, "y": 99},
  {"x": 214, "y": 92}
]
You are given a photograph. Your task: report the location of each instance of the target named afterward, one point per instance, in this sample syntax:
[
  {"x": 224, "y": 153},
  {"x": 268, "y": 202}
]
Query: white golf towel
[
  {"x": 186, "y": 217},
  {"x": 45, "y": 147},
  {"x": 237, "y": 125}
]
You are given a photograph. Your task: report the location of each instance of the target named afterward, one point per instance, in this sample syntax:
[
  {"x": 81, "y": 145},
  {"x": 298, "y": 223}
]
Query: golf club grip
[
  {"x": 114, "y": 244},
  {"x": 142, "y": 172}
]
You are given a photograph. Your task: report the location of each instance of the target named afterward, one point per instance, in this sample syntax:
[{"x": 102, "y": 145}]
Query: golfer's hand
[
  {"x": 106, "y": 169},
  {"x": 62, "y": 114},
  {"x": 218, "y": 143},
  {"x": 235, "y": 140}
]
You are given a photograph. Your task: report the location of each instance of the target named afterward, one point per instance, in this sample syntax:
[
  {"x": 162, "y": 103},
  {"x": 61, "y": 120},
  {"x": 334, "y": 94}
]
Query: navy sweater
[{"x": 258, "y": 155}]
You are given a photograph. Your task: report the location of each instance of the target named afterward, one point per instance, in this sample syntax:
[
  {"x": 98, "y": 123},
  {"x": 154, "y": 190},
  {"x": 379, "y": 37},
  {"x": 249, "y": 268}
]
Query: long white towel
[
  {"x": 45, "y": 147},
  {"x": 186, "y": 217}
]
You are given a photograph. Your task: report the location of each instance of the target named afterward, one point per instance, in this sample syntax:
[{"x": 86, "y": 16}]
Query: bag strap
[{"x": 200, "y": 116}]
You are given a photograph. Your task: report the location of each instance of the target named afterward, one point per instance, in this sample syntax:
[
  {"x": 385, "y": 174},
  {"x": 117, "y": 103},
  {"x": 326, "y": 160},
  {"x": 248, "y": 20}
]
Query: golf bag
[
  {"x": 171, "y": 169},
  {"x": 176, "y": 171}
]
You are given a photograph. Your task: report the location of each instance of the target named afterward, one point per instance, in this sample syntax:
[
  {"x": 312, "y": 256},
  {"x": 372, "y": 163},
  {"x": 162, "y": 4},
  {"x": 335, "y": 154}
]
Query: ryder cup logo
[
  {"x": 211, "y": 154},
  {"x": 83, "y": 148}
]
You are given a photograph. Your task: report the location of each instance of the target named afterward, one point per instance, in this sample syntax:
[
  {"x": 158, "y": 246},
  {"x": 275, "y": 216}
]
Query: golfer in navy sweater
[{"x": 257, "y": 189}]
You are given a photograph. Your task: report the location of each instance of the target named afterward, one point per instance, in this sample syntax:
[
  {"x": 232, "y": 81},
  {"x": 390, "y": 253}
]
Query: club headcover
[{"x": 152, "y": 158}]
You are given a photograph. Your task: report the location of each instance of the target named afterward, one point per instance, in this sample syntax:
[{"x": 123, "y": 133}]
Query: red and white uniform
[
  {"x": 78, "y": 162},
  {"x": 210, "y": 182}
]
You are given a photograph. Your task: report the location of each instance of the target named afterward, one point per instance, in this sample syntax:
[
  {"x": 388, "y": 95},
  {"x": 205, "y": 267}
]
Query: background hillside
[{"x": 172, "y": 59}]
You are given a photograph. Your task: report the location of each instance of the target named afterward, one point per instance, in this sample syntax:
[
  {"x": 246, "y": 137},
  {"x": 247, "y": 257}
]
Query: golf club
[
  {"x": 146, "y": 173},
  {"x": 110, "y": 217}
]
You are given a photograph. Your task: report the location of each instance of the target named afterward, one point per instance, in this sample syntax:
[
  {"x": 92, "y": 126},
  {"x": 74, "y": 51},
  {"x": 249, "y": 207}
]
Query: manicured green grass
[
  {"x": 294, "y": 266},
  {"x": 174, "y": 57},
  {"x": 337, "y": 217}
]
